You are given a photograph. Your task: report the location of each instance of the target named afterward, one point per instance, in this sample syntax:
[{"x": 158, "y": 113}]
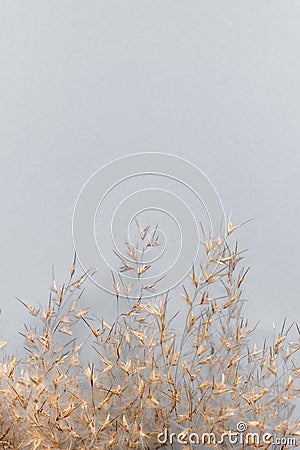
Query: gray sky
[{"x": 82, "y": 83}]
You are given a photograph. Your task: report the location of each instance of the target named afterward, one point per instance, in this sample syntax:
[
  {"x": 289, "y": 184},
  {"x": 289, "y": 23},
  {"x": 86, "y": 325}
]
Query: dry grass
[{"x": 146, "y": 377}]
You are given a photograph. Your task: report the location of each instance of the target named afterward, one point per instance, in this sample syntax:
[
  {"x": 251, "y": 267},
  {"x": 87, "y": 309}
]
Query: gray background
[{"x": 82, "y": 83}]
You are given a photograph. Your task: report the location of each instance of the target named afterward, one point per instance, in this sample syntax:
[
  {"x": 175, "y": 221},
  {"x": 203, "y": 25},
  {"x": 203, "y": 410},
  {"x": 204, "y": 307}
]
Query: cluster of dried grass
[{"x": 146, "y": 377}]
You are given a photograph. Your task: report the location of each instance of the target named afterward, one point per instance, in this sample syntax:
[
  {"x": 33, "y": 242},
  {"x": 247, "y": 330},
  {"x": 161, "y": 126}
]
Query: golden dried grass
[{"x": 146, "y": 377}]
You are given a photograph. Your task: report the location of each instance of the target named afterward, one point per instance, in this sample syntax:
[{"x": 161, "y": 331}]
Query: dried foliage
[{"x": 146, "y": 377}]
